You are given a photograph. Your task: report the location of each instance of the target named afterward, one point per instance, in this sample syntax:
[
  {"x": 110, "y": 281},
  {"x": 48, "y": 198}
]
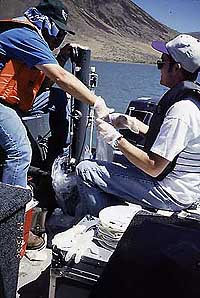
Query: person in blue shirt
[
  {"x": 30, "y": 40},
  {"x": 34, "y": 48}
]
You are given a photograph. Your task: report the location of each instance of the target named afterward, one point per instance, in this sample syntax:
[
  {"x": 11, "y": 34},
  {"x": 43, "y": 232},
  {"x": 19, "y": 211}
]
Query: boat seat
[
  {"x": 13, "y": 200},
  {"x": 32, "y": 115}
]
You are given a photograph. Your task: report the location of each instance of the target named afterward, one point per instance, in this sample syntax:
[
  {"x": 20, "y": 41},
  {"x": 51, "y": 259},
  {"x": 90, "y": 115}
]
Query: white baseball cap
[{"x": 184, "y": 49}]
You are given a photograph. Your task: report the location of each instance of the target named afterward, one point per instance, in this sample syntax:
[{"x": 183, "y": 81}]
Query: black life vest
[{"x": 185, "y": 90}]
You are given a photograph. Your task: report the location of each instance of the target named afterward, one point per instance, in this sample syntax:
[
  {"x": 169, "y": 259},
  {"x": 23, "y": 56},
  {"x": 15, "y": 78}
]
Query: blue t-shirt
[{"x": 26, "y": 45}]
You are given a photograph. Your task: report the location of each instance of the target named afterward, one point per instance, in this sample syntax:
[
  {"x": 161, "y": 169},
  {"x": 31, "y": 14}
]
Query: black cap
[{"x": 55, "y": 10}]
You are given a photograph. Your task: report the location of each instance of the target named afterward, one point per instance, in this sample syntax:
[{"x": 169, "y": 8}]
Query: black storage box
[{"x": 157, "y": 256}]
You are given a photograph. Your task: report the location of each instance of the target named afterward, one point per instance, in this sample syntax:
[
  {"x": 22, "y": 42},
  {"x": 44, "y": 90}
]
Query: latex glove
[
  {"x": 100, "y": 108},
  {"x": 124, "y": 121},
  {"x": 79, "y": 246},
  {"x": 65, "y": 240},
  {"x": 107, "y": 132}
]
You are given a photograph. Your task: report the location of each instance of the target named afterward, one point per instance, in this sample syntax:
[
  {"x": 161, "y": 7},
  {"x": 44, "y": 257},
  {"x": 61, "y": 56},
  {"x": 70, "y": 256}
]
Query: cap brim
[
  {"x": 62, "y": 26},
  {"x": 71, "y": 32},
  {"x": 159, "y": 46}
]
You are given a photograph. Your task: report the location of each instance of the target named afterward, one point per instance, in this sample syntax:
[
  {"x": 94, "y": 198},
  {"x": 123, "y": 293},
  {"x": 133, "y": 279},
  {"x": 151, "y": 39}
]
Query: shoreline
[{"x": 122, "y": 61}]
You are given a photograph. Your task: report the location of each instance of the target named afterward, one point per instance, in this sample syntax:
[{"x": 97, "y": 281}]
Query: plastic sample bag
[
  {"x": 104, "y": 151},
  {"x": 64, "y": 183}
]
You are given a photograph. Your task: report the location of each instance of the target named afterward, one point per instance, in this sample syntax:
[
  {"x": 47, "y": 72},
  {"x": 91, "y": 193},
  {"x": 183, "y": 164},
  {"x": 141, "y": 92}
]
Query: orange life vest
[{"x": 19, "y": 84}]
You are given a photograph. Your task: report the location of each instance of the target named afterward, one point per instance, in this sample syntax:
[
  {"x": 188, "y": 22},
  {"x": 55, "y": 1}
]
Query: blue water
[{"x": 120, "y": 82}]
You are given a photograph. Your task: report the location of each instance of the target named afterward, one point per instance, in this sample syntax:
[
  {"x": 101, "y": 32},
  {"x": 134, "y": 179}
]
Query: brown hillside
[{"x": 116, "y": 30}]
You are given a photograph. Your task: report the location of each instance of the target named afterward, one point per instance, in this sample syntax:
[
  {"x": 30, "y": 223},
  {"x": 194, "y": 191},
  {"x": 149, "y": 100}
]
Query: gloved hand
[
  {"x": 107, "y": 132},
  {"x": 124, "y": 121},
  {"x": 79, "y": 246},
  {"x": 100, "y": 108}
]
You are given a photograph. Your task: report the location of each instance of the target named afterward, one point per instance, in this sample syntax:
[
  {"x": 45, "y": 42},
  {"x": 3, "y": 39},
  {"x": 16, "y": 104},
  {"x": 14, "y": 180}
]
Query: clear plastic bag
[
  {"x": 64, "y": 184},
  {"x": 103, "y": 150}
]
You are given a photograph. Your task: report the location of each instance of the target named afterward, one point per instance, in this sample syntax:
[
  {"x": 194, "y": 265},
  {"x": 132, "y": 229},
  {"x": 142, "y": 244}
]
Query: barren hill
[{"x": 115, "y": 30}]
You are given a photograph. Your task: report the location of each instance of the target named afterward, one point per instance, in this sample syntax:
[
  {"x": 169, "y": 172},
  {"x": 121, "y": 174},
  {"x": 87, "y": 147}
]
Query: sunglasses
[
  {"x": 61, "y": 35},
  {"x": 161, "y": 63}
]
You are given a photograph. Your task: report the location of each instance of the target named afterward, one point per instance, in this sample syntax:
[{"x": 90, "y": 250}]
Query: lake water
[{"x": 120, "y": 82}]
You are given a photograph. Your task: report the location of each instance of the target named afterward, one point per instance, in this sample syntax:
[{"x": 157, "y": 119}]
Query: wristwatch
[{"x": 115, "y": 143}]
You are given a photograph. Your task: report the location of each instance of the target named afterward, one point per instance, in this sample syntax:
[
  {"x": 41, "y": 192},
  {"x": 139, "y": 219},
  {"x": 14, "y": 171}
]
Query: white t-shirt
[{"x": 180, "y": 134}]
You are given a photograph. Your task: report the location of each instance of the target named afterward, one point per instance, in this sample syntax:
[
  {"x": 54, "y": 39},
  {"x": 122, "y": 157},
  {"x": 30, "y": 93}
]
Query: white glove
[
  {"x": 100, "y": 108},
  {"x": 75, "y": 241},
  {"x": 79, "y": 246},
  {"x": 108, "y": 133},
  {"x": 66, "y": 239},
  {"x": 124, "y": 121}
]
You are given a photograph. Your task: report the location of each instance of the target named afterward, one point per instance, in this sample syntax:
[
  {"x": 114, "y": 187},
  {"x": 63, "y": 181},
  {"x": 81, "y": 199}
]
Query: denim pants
[
  {"x": 103, "y": 184},
  {"x": 14, "y": 141}
]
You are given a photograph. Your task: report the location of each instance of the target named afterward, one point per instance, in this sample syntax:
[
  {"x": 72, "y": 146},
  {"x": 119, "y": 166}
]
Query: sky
[{"x": 181, "y": 15}]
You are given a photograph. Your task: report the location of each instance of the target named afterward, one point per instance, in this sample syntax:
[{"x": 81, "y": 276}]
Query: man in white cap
[{"x": 166, "y": 174}]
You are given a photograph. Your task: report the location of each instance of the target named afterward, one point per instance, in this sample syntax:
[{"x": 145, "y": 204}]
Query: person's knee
[
  {"x": 25, "y": 153},
  {"x": 83, "y": 167}
]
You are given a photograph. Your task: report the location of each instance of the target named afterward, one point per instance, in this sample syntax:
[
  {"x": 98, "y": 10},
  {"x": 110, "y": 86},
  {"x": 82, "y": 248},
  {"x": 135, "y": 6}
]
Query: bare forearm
[
  {"x": 76, "y": 88},
  {"x": 68, "y": 82},
  {"x": 152, "y": 166}
]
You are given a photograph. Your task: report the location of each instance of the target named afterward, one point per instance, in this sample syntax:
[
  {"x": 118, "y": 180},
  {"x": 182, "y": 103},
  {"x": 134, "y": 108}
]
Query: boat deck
[
  {"x": 34, "y": 275},
  {"x": 34, "y": 271}
]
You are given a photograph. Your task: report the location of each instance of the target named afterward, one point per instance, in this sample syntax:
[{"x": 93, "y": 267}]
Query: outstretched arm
[
  {"x": 151, "y": 163},
  {"x": 124, "y": 121},
  {"x": 68, "y": 82},
  {"x": 143, "y": 128}
]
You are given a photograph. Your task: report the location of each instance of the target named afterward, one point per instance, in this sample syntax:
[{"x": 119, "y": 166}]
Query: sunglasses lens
[{"x": 160, "y": 64}]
